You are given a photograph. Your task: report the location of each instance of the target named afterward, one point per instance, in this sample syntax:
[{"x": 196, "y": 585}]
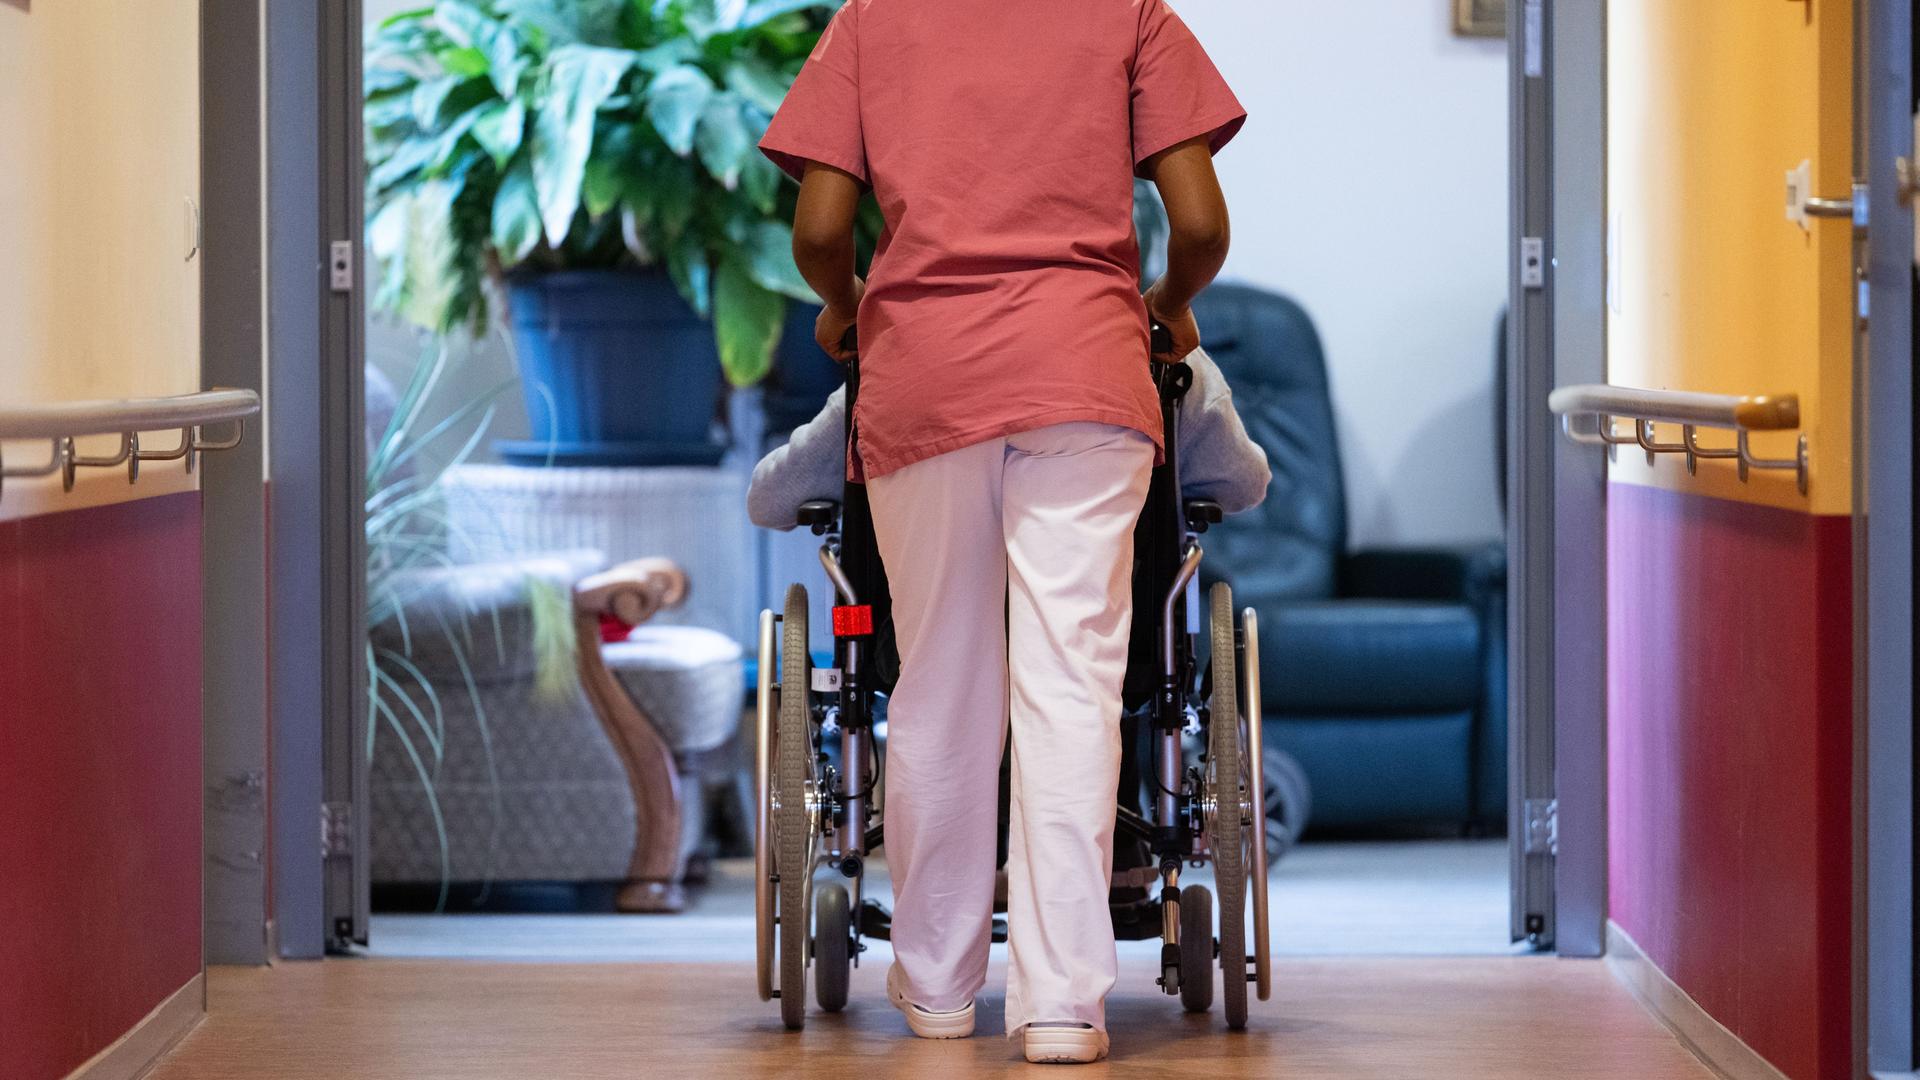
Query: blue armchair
[{"x": 1384, "y": 672}]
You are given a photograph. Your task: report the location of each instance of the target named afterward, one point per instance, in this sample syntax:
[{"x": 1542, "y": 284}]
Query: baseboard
[
  {"x": 132, "y": 1054},
  {"x": 1710, "y": 1041}
]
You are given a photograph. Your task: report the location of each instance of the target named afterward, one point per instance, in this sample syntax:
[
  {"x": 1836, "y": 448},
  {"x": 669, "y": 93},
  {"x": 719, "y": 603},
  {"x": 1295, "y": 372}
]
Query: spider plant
[{"x": 408, "y": 530}]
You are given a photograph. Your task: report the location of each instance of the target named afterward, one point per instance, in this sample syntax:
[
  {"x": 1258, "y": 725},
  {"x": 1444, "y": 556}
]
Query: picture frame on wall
[{"x": 1480, "y": 18}]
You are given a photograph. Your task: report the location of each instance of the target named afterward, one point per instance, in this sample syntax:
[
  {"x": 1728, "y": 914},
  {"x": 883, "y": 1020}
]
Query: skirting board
[
  {"x": 132, "y": 1054},
  {"x": 1710, "y": 1041}
]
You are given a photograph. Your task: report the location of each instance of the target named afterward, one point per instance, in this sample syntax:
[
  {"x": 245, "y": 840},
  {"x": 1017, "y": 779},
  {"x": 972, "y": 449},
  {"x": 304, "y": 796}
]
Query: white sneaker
[
  {"x": 927, "y": 1023},
  {"x": 1065, "y": 1044}
]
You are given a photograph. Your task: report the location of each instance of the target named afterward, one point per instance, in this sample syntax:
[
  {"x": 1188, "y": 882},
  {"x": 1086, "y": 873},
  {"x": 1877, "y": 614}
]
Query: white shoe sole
[
  {"x": 955, "y": 1024},
  {"x": 1065, "y": 1046}
]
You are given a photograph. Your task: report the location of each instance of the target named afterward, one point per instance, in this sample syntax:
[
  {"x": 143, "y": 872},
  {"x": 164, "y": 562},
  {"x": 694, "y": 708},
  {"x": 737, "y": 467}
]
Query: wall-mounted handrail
[
  {"x": 1587, "y": 413},
  {"x": 66, "y": 418},
  {"x": 61, "y": 423}
]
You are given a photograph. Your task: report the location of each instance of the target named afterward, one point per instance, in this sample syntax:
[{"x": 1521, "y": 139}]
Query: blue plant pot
[
  {"x": 803, "y": 374},
  {"x": 617, "y": 370}
]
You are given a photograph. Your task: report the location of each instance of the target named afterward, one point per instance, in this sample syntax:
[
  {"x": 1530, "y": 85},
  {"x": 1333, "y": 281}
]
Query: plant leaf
[
  {"x": 500, "y": 129},
  {"x": 746, "y": 324},
  {"x": 757, "y": 81},
  {"x": 466, "y": 62},
  {"x": 516, "y": 215},
  {"x": 766, "y": 254},
  {"x": 505, "y": 65},
  {"x": 632, "y": 231},
  {"x": 465, "y": 25},
  {"x": 723, "y": 140},
  {"x": 581, "y": 79},
  {"x": 691, "y": 272},
  {"x": 661, "y": 58},
  {"x": 675, "y": 100},
  {"x": 760, "y": 11}
]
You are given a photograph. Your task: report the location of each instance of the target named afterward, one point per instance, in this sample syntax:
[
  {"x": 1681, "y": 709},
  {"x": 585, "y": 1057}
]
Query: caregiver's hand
[
  {"x": 1180, "y": 325},
  {"x": 830, "y": 330}
]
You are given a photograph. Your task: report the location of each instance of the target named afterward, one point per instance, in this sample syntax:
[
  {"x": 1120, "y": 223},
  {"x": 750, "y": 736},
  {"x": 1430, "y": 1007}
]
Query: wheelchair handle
[
  {"x": 850, "y": 341},
  {"x": 1162, "y": 340}
]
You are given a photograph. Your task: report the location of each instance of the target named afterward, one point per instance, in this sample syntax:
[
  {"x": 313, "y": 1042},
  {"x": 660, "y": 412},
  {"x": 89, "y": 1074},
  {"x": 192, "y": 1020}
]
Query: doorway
[{"x": 1382, "y": 426}]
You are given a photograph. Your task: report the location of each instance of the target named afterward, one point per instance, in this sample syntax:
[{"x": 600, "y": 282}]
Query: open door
[{"x": 1883, "y": 581}]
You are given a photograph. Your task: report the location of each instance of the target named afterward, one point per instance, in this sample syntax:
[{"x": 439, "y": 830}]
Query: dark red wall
[
  {"x": 99, "y": 775},
  {"x": 1730, "y": 729}
]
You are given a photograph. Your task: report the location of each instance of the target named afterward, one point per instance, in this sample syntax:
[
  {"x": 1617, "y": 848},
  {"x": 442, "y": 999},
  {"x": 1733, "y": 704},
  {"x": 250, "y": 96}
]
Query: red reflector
[{"x": 852, "y": 621}]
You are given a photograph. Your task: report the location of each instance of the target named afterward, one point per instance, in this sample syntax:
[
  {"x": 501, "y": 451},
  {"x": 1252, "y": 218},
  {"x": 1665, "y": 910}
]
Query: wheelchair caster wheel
[
  {"x": 1196, "y": 948},
  {"x": 832, "y": 947}
]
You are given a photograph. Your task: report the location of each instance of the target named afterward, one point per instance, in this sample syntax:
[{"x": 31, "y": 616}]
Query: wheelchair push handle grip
[
  {"x": 850, "y": 341},
  {"x": 1162, "y": 340}
]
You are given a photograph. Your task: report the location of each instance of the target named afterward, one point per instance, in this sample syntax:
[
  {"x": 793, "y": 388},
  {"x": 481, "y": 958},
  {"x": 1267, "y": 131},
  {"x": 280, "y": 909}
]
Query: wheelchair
[{"x": 1193, "y": 722}]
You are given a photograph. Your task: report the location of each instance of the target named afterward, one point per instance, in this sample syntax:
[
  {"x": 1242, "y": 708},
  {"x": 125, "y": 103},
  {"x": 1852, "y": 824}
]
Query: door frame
[
  {"x": 1884, "y": 743},
  {"x": 318, "y": 544},
  {"x": 1557, "y": 517},
  {"x": 232, "y": 484}
]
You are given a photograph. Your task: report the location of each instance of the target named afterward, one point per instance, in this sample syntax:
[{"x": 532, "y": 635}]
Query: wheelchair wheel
[
  {"x": 1196, "y": 948},
  {"x": 832, "y": 946},
  {"x": 793, "y": 819},
  {"x": 1227, "y": 827}
]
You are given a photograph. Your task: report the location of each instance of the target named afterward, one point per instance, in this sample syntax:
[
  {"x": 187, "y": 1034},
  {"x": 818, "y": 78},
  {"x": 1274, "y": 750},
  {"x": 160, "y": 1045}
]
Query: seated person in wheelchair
[
  {"x": 1006, "y": 428},
  {"x": 1218, "y": 461}
]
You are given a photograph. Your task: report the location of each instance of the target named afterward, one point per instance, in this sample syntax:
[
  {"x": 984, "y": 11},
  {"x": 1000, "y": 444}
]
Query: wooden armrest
[{"x": 632, "y": 592}]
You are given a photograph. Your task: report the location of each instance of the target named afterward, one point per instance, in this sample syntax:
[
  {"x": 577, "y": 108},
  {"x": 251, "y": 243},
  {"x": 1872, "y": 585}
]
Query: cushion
[
  {"x": 685, "y": 678},
  {"x": 1364, "y": 656},
  {"x": 1384, "y": 768}
]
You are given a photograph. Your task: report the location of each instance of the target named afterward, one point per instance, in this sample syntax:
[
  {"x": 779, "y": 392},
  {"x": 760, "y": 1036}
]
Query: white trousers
[{"x": 1010, "y": 563}]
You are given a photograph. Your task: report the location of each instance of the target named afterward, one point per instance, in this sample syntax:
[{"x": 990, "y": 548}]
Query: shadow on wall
[
  {"x": 23, "y": 5},
  {"x": 1447, "y": 458}
]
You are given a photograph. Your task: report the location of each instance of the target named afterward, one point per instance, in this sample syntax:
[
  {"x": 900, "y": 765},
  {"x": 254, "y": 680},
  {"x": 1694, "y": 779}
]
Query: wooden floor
[{"x": 1526, "y": 1018}]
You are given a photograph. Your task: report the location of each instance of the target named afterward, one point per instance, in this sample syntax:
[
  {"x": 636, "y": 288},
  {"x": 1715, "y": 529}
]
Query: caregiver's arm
[
  {"x": 823, "y": 250},
  {"x": 1199, "y": 235}
]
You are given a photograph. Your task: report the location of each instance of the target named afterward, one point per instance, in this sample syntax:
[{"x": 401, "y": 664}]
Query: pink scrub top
[{"x": 1001, "y": 138}]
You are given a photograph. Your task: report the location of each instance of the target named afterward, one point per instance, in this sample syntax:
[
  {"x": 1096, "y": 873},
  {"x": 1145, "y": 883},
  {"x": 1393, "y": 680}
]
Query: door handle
[{"x": 1803, "y": 205}]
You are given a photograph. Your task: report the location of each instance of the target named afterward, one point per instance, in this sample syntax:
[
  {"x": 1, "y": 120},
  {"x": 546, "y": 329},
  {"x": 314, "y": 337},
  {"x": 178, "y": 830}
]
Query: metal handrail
[
  {"x": 1587, "y": 413},
  {"x": 128, "y": 414},
  {"x": 1763, "y": 412},
  {"x": 61, "y": 423}
]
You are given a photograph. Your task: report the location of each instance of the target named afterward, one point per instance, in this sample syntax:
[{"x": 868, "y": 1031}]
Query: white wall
[
  {"x": 99, "y": 152},
  {"x": 1370, "y": 184}
]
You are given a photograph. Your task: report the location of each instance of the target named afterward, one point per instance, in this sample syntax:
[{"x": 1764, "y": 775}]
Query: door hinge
[
  {"x": 340, "y": 265},
  {"x": 336, "y": 829},
  {"x": 1533, "y": 262},
  {"x": 1543, "y": 827}
]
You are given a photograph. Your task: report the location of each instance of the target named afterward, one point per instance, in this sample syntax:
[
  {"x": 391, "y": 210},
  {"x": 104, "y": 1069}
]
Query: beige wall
[{"x": 99, "y": 155}]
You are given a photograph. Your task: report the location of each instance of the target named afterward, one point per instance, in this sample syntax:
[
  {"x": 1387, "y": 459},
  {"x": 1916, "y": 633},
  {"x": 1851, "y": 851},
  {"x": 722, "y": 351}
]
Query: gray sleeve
[
  {"x": 1218, "y": 460},
  {"x": 811, "y": 465}
]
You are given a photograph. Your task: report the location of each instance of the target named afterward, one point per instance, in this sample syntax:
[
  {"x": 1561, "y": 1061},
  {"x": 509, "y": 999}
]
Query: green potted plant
[{"x": 596, "y": 162}]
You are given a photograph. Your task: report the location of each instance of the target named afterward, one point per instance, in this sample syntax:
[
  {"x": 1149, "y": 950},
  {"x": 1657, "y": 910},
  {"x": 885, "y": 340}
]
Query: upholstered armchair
[
  {"x": 487, "y": 770},
  {"x": 595, "y": 781},
  {"x": 1384, "y": 672}
]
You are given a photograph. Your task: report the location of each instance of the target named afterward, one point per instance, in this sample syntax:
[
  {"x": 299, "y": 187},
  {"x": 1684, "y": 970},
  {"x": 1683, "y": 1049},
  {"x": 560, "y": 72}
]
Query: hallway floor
[
  {"x": 1355, "y": 898},
  {"x": 1524, "y": 1018}
]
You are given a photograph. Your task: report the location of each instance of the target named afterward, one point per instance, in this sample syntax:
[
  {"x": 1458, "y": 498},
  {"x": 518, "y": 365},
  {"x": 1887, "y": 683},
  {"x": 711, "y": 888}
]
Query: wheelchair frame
[{"x": 810, "y": 812}]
